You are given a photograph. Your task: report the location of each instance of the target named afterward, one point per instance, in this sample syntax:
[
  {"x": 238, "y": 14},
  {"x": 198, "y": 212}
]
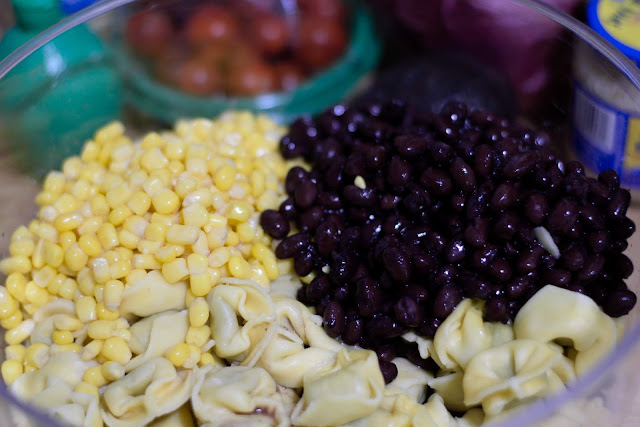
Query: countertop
[{"x": 17, "y": 194}]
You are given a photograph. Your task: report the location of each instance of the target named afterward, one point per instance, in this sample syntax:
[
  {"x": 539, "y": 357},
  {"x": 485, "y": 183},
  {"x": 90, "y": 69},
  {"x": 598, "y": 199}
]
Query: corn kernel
[
  {"x": 87, "y": 389},
  {"x": 53, "y": 287},
  {"x": 155, "y": 232},
  {"x": 66, "y": 239},
  {"x": 128, "y": 239},
  {"x": 15, "y": 352},
  {"x": 12, "y": 321},
  {"x": 200, "y": 284},
  {"x": 67, "y": 323},
  {"x": 198, "y": 336},
  {"x": 116, "y": 350},
  {"x": 239, "y": 268},
  {"x": 67, "y": 221},
  {"x": 112, "y": 371},
  {"x": 225, "y": 177},
  {"x": 165, "y": 201},
  {"x": 108, "y": 236},
  {"x": 197, "y": 263},
  {"x": 178, "y": 355},
  {"x": 20, "y": 332},
  {"x": 135, "y": 276},
  {"x": 16, "y": 284},
  {"x": 91, "y": 350},
  {"x": 90, "y": 225},
  {"x": 16, "y": 264},
  {"x": 62, "y": 337},
  {"x": 68, "y": 289},
  {"x": 139, "y": 203},
  {"x": 217, "y": 237},
  {"x": 185, "y": 185},
  {"x": 54, "y": 182},
  {"x": 94, "y": 376},
  {"x": 232, "y": 239},
  {"x": 182, "y": 234},
  {"x": 198, "y": 312},
  {"x": 36, "y": 355},
  {"x": 120, "y": 269},
  {"x": 66, "y": 203},
  {"x": 75, "y": 258},
  {"x": 119, "y": 214},
  {"x": 206, "y": 359},
  {"x": 202, "y": 196},
  {"x": 104, "y": 313},
  {"x": 98, "y": 294},
  {"x": 246, "y": 233},
  {"x": 100, "y": 269},
  {"x": 90, "y": 244},
  {"x": 112, "y": 294},
  {"x": 238, "y": 212},
  {"x": 11, "y": 370},
  {"x": 147, "y": 262},
  {"x": 36, "y": 295},
  {"x": 52, "y": 254},
  {"x": 175, "y": 271},
  {"x": 99, "y": 205},
  {"x": 22, "y": 247},
  {"x": 166, "y": 254}
]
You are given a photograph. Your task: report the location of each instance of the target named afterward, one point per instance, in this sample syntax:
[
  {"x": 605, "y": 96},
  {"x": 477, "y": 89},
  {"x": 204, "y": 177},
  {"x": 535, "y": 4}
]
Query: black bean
[
  {"x": 496, "y": 309},
  {"x": 574, "y": 167},
  {"x": 573, "y": 258},
  {"x": 327, "y": 237},
  {"x": 536, "y": 208},
  {"x": 368, "y": 297},
  {"x": 483, "y": 161},
  {"x": 504, "y": 196},
  {"x": 592, "y": 218},
  {"x": 517, "y": 287},
  {"x": 318, "y": 287},
  {"x": 329, "y": 200},
  {"x": 361, "y": 197},
  {"x": 446, "y": 300},
  {"x": 500, "y": 269},
  {"x": 301, "y": 295},
  {"x": 383, "y": 326},
  {"x": 386, "y": 352},
  {"x": 416, "y": 292},
  {"x": 310, "y": 219},
  {"x": 353, "y": 330},
  {"x": 334, "y": 175},
  {"x": 445, "y": 274},
  {"x": 557, "y": 277},
  {"x": 463, "y": 175},
  {"x": 576, "y": 287},
  {"x": 397, "y": 264},
  {"x": 389, "y": 371},
  {"x": 624, "y": 228},
  {"x": 593, "y": 267},
  {"x": 274, "y": 224},
  {"x": 333, "y": 319},
  {"x": 619, "y": 303},
  {"x": 343, "y": 266},
  {"x": 563, "y": 216},
  {"x": 295, "y": 177},
  {"x": 436, "y": 181},
  {"x": 529, "y": 260},
  {"x": 506, "y": 148},
  {"x": 408, "y": 312},
  {"x": 457, "y": 203},
  {"x": 598, "y": 241},
  {"x": 455, "y": 251},
  {"x": 481, "y": 258},
  {"x": 375, "y": 157},
  {"x": 440, "y": 153},
  {"x": 324, "y": 152},
  {"x": 429, "y": 327},
  {"x": 622, "y": 265},
  {"x": 610, "y": 178},
  {"x": 506, "y": 226},
  {"x": 520, "y": 164},
  {"x": 305, "y": 194},
  {"x": 292, "y": 245},
  {"x": 388, "y": 202},
  {"x": 288, "y": 209},
  {"x": 599, "y": 193},
  {"x": 410, "y": 146},
  {"x": 354, "y": 166},
  {"x": 619, "y": 245},
  {"x": 291, "y": 148},
  {"x": 576, "y": 186},
  {"x": 303, "y": 263},
  {"x": 341, "y": 293},
  {"x": 398, "y": 172},
  {"x": 475, "y": 287},
  {"x": 617, "y": 207}
]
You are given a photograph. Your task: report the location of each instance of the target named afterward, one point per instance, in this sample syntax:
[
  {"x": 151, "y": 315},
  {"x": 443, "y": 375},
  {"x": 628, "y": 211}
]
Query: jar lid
[
  {"x": 70, "y": 7},
  {"x": 36, "y": 15},
  {"x": 618, "y": 21}
]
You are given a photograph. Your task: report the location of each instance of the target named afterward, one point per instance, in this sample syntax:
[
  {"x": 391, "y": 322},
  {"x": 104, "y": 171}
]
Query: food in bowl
[
  {"x": 160, "y": 284},
  {"x": 238, "y": 49}
]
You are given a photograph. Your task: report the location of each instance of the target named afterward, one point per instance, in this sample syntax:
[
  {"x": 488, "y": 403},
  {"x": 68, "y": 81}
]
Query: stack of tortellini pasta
[{"x": 275, "y": 366}]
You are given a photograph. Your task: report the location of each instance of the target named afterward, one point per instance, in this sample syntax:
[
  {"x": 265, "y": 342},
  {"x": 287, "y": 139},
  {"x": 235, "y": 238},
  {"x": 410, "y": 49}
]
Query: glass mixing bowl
[{"x": 608, "y": 395}]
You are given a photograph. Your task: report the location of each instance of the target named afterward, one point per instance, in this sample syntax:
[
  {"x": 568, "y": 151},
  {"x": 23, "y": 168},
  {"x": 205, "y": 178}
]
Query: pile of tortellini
[{"x": 275, "y": 366}]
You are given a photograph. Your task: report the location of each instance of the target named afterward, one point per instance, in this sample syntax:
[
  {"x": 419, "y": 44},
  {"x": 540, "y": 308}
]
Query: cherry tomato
[
  {"x": 248, "y": 8},
  {"x": 149, "y": 32},
  {"x": 251, "y": 79},
  {"x": 217, "y": 54},
  {"x": 242, "y": 53},
  {"x": 320, "y": 41},
  {"x": 270, "y": 33},
  {"x": 166, "y": 65},
  {"x": 323, "y": 8},
  {"x": 211, "y": 23},
  {"x": 198, "y": 78},
  {"x": 289, "y": 75}
]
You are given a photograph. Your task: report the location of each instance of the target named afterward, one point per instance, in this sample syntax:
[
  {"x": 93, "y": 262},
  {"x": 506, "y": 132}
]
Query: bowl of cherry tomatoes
[{"x": 280, "y": 57}]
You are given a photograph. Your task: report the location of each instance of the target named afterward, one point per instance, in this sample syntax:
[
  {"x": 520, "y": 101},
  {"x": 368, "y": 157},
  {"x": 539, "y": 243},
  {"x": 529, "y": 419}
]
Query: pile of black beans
[{"x": 447, "y": 211}]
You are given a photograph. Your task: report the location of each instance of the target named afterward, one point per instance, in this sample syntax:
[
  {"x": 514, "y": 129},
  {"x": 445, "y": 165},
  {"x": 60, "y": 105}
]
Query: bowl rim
[{"x": 534, "y": 412}]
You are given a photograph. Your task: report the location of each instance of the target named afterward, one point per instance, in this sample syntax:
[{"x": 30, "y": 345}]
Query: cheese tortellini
[
  {"x": 153, "y": 294},
  {"x": 568, "y": 318},
  {"x": 153, "y": 389}
]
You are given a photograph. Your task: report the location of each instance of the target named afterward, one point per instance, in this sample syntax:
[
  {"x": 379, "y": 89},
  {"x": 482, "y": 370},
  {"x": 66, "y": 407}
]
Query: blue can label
[{"x": 605, "y": 137}]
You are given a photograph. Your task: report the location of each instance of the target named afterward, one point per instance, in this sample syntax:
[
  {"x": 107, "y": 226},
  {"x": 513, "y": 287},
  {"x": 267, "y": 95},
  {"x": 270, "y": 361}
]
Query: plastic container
[
  {"x": 608, "y": 395},
  {"x": 46, "y": 94},
  {"x": 328, "y": 86},
  {"x": 606, "y": 116}
]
